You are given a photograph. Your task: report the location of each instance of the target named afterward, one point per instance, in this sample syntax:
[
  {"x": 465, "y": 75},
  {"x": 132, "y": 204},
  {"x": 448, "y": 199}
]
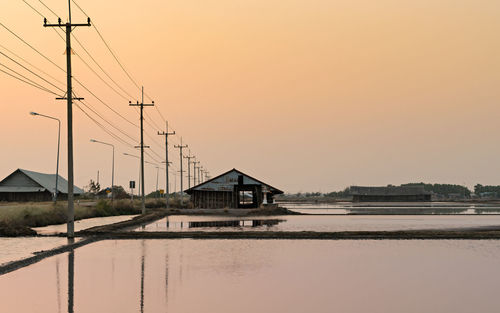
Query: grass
[
  {"x": 46, "y": 213},
  {"x": 38, "y": 214}
]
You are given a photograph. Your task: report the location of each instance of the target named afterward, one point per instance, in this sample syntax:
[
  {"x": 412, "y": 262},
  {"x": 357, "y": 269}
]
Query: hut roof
[
  {"x": 41, "y": 181},
  {"x": 227, "y": 180}
]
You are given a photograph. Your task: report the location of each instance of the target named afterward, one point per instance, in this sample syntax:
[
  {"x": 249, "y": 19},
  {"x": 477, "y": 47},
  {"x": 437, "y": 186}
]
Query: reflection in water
[
  {"x": 407, "y": 211},
  {"x": 247, "y": 276},
  {"x": 58, "y": 287},
  {"x": 71, "y": 277},
  {"x": 143, "y": 248},
  {"x": 235, "y": 223}
]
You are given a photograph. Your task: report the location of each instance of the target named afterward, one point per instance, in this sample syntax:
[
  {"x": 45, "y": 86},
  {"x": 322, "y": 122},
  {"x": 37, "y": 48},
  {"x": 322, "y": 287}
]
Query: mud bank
[{"x": 466, "y": 234}]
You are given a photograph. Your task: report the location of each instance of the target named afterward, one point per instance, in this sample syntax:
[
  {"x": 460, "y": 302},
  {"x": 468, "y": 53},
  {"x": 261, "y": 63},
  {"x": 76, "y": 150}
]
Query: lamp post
[
  {"x": 58, "y": 144},
  {"x": 112, "y": 169}
]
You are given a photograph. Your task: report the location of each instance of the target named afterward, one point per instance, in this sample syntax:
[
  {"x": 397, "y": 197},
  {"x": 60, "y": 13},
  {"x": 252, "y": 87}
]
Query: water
[
  {"x": 83, "y": 224},
  {"x": 320, "y": 223},
  {"x": 18, "y": 248},
  {"x": 184, "y": 276},
  {"x": 428, "y": 208}
]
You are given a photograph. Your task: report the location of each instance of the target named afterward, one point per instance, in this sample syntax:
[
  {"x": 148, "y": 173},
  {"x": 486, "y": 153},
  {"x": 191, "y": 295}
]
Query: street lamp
[
  {"x": 112, "y": 170},
  {"x": 56, "y": 190}
]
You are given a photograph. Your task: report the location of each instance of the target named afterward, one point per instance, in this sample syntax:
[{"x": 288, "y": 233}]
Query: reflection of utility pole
[
  {"x": 69, "y": 97},
  {"x": 71, "y": 277},
  {"x": 142, "y": 277},
  {"x": 142, "y": 104},
  {"x": 189, "y": 157},
  {"x": 166, "y": 134},
  {"x": 180, "y": 147}
]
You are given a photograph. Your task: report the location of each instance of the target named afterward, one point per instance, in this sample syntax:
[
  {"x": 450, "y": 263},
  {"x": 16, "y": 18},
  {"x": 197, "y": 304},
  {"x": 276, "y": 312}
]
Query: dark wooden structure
[
  {"x": 23, "y": 185},
  {"x": 232, "y": 189},
  {"x": 389, "y": 194}
]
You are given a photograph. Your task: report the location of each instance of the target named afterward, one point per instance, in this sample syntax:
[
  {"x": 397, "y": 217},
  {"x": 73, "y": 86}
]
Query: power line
[
  {"x": 27, "y": 80},
  {"x": 27, "y": 69},
  {"x": 56, "y": 15},
  {"x": 23, "y": 41},
  {"x": 30, "y": 64}
]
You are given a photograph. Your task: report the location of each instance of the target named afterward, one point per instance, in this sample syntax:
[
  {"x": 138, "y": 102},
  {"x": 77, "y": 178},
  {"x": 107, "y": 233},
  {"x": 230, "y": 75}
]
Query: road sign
[
  {"x": 132, "y": 184},
  {"x": 162, "y": 191}
]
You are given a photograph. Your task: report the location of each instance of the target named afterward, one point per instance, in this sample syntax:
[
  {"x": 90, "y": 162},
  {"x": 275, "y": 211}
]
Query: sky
[{"x": 309, "y": 95}]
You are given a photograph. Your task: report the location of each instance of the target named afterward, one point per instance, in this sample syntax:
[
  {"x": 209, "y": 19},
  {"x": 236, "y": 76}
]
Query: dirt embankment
[{"x": 15, "y": 230}]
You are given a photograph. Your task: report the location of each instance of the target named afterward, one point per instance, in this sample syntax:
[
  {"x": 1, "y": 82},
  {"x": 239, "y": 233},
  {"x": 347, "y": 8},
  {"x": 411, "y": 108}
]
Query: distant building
[
  {"x": 389, "y": 194},
  {"x": 23, "y": 185},
  {"x": 232, "y": 189}
]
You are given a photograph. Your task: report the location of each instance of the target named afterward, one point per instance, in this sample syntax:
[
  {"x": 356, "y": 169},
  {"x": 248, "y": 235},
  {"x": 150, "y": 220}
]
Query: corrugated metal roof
[
  {"x": 227, "y": 181},
  {"x": 47, "y": 181}
]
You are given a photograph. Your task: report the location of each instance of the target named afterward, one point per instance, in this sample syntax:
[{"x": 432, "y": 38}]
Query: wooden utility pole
[
  {"x": 166, "y": 134},
  {"x": 142, "y": 105},
  {"x": 180, "y": 147},
  {"x": 69, "y": 97}
]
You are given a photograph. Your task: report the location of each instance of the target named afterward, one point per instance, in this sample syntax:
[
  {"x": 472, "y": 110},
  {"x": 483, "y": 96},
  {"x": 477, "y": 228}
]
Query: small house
[
  {"x": 233, "y": 189},
  {"x": 23, "y": 185}
]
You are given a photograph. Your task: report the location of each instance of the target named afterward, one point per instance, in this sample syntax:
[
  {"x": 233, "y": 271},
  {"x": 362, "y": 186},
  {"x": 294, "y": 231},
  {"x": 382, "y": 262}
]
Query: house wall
[{"x": 25, "y": 196}]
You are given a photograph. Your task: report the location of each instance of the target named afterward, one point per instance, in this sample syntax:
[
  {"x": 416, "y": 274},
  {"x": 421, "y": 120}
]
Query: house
[
  {"x": 389, "y": 194},
  {"x": 233, "y": 189},
  {"x": 24, "y": 185}
]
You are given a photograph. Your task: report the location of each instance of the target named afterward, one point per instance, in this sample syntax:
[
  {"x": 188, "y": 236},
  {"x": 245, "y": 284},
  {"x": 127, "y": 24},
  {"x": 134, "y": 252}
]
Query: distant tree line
[
  {"x": 443, "y": 189},
  {"x": 479, "y": 189}
]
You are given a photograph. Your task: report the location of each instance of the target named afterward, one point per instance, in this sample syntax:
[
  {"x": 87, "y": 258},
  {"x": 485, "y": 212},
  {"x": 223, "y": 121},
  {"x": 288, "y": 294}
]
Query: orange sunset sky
[{"x": 308, "y": 95}]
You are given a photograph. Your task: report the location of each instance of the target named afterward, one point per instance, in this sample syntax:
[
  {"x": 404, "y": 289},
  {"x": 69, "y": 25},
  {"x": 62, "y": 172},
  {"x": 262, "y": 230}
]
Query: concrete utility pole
[
  {"x": 200, "y": 174},
  {"x": 195, "y": 169},
  {"x": 206, "y": 175},
  {"x": 69, "y": 97},
  {"x": 142, "y": 105},
  {"x": 166, "y": 134},
  {"x": 189, "y": 157},
  {"x": 180, "y": 147}
]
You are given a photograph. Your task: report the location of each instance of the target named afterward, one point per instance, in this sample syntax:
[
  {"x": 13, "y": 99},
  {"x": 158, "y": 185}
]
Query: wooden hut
[{"x": 233, "y": 189}]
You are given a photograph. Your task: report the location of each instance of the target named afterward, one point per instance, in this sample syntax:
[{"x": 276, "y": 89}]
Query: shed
[
  {"x": 24, "y": 185},
  {"x": 389, "y": 193},
  {"x": 232, "y": 189}
]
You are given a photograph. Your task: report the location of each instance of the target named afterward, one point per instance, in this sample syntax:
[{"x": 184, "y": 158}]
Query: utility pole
[
  {"x": 196, "y": 169},
  {"x": 206, "y": 174},
  {"x": 189, "y": 157},
  {"x": 180, "y": 147},
  {"x": 69, "y": 97},
  {"x": 166, "y": 134},
  {"x": 142, "y": 105},
  {"x": 200, "y": 174}
]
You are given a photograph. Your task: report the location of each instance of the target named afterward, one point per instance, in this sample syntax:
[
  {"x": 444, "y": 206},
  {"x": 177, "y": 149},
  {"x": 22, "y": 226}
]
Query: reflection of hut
[
  {"x": 390, "y": 193},
  {"x": 232, "y": 189},
  {"x": 23, "y": 185}
]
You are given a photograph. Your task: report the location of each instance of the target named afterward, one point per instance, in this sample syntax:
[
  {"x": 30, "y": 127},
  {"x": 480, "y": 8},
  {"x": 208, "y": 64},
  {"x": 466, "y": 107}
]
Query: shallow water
[
  {"x": 83, "y": 224},
  {"x": 18, "y": 248},
  {"x": 425, "y": 208},
  {"x": 261, "y": 276},
  {"x": 324, "y": 223}
]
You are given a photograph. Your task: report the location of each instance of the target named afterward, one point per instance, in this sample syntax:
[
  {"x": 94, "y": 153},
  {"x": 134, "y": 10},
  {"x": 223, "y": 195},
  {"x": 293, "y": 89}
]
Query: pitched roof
[
  {"x": 226, "y": 181},
  {"x": 46, "y": 181}
]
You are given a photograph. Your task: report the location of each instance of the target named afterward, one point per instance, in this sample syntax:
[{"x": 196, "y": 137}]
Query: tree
[{"x": 94, "y": 187}]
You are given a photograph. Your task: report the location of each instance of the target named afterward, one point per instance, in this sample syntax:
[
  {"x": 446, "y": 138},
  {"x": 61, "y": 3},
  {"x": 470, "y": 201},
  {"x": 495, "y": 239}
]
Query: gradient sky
[{"x": 306, "y": 95}]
